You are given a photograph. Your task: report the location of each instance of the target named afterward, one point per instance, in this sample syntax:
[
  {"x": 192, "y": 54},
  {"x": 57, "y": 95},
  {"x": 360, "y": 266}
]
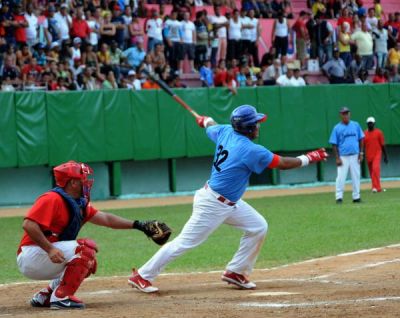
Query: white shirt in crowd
[
  {"x": 136, "y": 85},
  {"x": 380, "y": 38},
  {"x": 173, "y": 30},
  {"x": 372, "y": 23},
  {"x": 283, "y": 80},
  {"x": 270, "y": 73},
  {"x": 281, "y": 29},
  {"x": 298, "y": 81},
  {"x": 93, "y": 37},
  {"x": 63, "y": 25},
  {"x": 246, "y": 33},
  {"x": 154, "y": 29},
  {"x": 253, "y": 31},
  {"x": 235, "y": 29},
  {"x": 364, "y": 42},
  {"x": 31, "y": 30},
  {"x": 187, "y": 28},
  {"x": 221, "y": 33},
  {"x": 127, "y": 21}
]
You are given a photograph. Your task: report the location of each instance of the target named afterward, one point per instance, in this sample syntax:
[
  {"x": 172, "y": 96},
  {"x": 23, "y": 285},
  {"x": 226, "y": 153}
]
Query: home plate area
[{"x": 360, "y": 284}]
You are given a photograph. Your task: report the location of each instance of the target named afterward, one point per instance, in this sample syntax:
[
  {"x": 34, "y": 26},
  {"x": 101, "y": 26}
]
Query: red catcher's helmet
[{"x": 74, "y": 170}]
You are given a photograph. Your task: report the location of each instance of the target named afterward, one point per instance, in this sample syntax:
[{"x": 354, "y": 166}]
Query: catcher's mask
[
  {"x": 244, "y": 119},
  {"x": 74, "y": 170}
]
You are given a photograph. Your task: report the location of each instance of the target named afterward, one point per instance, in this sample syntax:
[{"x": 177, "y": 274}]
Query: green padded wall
[{"x": 38, "y": 128}]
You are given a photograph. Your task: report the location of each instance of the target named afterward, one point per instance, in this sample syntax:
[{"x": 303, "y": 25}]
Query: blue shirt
[
  {"x": 236, "y": 157},
  {"x": 207, "y": 75},
  {"x": 347, "y": 138},
  {"x": 134, "y": 56}
]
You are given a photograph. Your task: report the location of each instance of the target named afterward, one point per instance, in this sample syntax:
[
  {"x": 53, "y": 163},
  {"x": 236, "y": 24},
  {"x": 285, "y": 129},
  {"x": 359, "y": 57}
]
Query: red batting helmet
[{"x": 74, "y": 170}]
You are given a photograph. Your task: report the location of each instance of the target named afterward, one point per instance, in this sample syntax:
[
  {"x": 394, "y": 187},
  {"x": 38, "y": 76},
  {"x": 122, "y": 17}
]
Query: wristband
[
  {"x": 304, "y": 160},
  {"x": 207, "y": 121}
]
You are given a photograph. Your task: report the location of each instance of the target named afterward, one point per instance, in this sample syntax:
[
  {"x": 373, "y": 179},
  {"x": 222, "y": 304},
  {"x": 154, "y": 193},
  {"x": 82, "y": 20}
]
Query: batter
[{"x": 219, "y": 201}]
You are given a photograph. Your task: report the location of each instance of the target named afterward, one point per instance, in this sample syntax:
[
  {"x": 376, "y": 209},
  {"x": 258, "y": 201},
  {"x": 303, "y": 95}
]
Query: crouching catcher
[{"x": 50, "y": 250}]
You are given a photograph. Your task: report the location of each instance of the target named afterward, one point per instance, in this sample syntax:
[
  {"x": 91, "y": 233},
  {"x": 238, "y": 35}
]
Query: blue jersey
[
  {"x": 346, "y": 138},
  {"x": 236, "y": 157}
]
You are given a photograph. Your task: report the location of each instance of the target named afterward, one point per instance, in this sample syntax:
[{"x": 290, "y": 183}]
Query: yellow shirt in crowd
[
  {"x": 394, "y": 57},
  {"x": 344, "y": 47}
]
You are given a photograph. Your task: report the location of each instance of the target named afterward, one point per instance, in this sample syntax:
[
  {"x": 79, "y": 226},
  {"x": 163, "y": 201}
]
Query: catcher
[{"x": 49, "y": 248}]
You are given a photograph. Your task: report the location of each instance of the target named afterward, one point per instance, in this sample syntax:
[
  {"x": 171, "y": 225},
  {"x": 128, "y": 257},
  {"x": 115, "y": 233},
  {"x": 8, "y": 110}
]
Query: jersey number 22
[{"x": 222, "y": 155}]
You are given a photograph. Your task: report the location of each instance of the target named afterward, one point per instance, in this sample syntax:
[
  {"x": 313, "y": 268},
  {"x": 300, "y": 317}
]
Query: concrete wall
[{"x": 22, "y": 186}]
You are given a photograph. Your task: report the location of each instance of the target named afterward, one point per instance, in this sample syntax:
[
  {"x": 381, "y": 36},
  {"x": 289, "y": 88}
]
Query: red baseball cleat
[
  {"x": 237, "y": 279},
  {"x": 140, "y": 283}
]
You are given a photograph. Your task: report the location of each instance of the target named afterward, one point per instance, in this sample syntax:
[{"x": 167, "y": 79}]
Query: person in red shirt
[
  {"x": 379, "y": 77},
  {"x": 374, "y": 146},
  {"x": 301, "y": 37},
  {"x": 49, "y": 248},
  {"x": 19, "y": 23},
  {"x": 31, "y": 70},
  {"x": 345, "y": 17},
  {"x": 79, "y": 27}
]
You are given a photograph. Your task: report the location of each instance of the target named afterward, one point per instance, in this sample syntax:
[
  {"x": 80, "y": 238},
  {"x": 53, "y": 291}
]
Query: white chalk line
[
  {"x": 318, "y": 303},
  {"x": 359, "y": 268},
  {"x": 364, "y": 251}
]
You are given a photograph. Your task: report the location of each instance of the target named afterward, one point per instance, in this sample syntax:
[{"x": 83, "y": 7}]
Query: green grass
[{"x": 300, "y": 228}]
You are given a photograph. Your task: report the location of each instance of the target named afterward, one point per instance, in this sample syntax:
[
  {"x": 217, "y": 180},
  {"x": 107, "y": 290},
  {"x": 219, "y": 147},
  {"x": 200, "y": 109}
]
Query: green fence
[{"x": 50, "y": 128}]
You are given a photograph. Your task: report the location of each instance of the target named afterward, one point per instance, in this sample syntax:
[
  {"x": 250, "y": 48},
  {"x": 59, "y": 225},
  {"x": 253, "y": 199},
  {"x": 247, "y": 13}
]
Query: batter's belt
[{"x": 219, "y": 197}]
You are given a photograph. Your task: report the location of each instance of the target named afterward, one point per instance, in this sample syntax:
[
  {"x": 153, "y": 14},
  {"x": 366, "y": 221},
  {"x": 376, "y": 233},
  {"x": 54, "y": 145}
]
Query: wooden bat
[{"x": 168, "y": 90}]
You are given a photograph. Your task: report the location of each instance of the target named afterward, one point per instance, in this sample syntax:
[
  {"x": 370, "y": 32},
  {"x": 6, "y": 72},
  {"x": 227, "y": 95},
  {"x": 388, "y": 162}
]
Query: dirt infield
[
  {"x": 360, "y": 284},
  {"x": 173, "y": 200}
]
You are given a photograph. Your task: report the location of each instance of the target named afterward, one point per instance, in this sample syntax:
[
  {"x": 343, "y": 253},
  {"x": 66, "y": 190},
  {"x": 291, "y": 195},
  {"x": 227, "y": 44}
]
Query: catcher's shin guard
[{"x": 82, "y": 266}]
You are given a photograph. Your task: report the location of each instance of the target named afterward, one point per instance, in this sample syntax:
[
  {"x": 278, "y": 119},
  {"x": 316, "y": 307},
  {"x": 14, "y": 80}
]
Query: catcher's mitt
[{"x": 159, "y": 232}]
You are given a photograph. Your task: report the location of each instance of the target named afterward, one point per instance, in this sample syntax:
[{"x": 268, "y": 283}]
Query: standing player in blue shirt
[
  {"x": 219, "y": 201},
  {"x": 347, "y": 139}
]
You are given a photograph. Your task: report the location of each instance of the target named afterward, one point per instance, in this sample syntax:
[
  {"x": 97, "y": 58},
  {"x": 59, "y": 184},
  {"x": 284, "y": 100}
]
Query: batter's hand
[
  {"x": 204, "y": 121},
  {"x": 56, "y": 255},
  {"x": 317, "y": 155},
  {"x": 339, "y": 162}
]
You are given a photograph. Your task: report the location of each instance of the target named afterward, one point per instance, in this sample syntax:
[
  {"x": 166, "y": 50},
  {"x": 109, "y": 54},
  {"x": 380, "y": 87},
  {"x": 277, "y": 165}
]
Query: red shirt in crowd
[
  {"x": 20, "y": 33},
  {"x": 379, "y": 79},
  {"x": 220, "y": 78},
  {"x": 34, "y": 71},
  {"x": 80, "y": 29},
  {"x": 51, "y": 213},
  {"x": 300, "y": 28},
  {"x": 374, "y": 140},
  {"x": 349, "y": 20}
]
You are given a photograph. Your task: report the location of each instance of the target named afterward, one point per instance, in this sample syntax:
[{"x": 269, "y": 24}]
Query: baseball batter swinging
[
  {"x": 219, "y": 201},
  {"x": 49, "y": 248}
]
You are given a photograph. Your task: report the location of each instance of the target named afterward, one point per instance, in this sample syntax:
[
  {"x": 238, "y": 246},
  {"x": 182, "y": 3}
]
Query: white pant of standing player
[
  {"x": 348, "y": 162},
  {"x": 34, "y": 263},
  {"x": 208, "y": 214}
]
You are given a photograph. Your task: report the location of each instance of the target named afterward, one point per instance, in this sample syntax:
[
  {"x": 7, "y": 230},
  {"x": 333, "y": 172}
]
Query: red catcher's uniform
[
  {"x": 51, "y": 212},
  {"x": 374, "y": 140}
]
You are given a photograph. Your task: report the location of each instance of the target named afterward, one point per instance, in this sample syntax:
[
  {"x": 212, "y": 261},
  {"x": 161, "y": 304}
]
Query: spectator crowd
[{"x": 107, "y": 44}]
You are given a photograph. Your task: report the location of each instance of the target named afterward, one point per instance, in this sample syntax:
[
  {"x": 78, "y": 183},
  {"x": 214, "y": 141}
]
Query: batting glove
[
  {"x": 204, "y": 121},
  {"x": 313, "y": 156}
]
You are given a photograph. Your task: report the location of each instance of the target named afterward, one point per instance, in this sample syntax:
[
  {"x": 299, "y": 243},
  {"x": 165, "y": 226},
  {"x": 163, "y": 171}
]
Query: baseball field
[{"x": 320, "y": 260}]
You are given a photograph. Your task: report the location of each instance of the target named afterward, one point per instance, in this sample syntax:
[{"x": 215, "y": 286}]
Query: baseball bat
[{"x": 168, "y": 90}]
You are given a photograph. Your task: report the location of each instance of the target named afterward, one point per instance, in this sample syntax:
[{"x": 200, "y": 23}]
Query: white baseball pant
[
  {"x": 348, "y": 162},
  {"x": 208, "y": 214},
  {"x": 33, "y": 262}
]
